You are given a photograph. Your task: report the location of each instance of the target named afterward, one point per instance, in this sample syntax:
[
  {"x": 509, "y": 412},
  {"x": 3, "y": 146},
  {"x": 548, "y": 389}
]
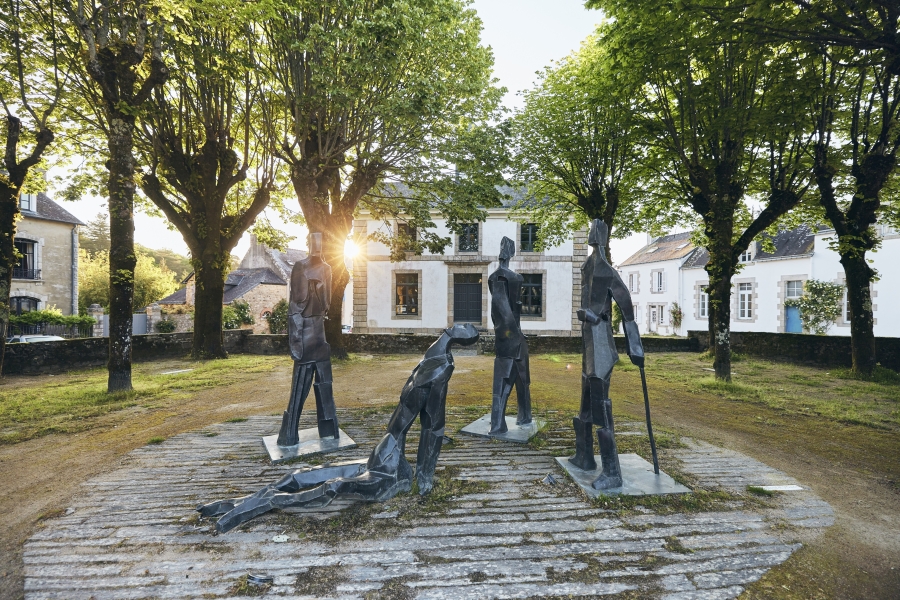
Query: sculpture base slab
[
  {"x": 638, "y": 478},
  {"x": 519, "y": 434},
  {"x": 310, "y": 443}
]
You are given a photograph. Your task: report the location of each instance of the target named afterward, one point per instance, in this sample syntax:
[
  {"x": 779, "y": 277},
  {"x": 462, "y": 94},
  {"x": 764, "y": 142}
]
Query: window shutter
[{"x": 664, "y": 282}]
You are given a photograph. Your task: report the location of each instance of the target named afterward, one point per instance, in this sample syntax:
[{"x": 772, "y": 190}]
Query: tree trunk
[
  {"x": 340, "y": 277},
  {"x": 122, "y": 259},
  {"x": 720, "y": 269},
  {"x": 209, "y": 290},
  {"x": 862, "y": 323},
  {"x": 9, "y": 210}
]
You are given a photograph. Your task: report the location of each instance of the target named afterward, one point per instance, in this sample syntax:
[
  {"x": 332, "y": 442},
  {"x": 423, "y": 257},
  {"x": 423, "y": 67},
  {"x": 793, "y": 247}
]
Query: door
[
  {"x": 467, "y": 298},
  {"x": 654, "y": 318},
  {"x": 792, "y": 320}
]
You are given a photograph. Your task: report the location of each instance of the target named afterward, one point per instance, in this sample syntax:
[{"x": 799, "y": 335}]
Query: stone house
[
  {"x": 261, "y": 279},
  {"x": 47, "y": 272},
  {"x": 424, "y": 294},
  {"x": 670, "y": 269}
]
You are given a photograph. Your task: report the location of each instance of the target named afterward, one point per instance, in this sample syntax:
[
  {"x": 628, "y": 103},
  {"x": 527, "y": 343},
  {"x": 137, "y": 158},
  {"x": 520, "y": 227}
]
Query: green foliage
[
  {"x": 820, "y": 305},
  {"x": 616, "y": 317},
  {"x": 151, "y": 281},
  {"x": 236, "y": 314},
  {"x": 279, "y": 317},
  {"x": 676, "y": 315},
  {"x": 50, "y": 316},
  {"x": 165, "y": 326}
]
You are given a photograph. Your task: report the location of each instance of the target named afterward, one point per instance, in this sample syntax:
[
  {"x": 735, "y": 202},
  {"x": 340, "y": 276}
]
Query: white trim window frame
[
  {"x": 745, "y": 301},
  {"x": 703, "y": 305}
]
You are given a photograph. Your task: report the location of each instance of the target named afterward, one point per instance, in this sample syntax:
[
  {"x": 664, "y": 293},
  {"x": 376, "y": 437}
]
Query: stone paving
[{"x": 133, "y": 533}]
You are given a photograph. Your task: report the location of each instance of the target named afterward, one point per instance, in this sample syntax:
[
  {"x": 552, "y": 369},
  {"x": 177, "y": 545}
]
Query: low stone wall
[
  {"x": 804, "y": 348},
  {"x": 66, "y": 355}
]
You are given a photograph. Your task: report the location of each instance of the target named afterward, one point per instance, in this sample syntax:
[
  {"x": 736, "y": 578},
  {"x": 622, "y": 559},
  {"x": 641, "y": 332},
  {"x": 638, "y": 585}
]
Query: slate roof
[
  {"x": 179, "y": 297},
  {"x": 241, "y": 281},
  {"x": 285, "y": 260},
  {"x": 49, "y": 210},
  {"x": 667, "y": 247},
  {"x": 788, "y": 244}
]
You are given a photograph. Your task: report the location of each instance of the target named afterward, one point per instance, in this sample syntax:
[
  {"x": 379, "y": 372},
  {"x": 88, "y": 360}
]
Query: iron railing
[{"x": 23, "y": 273}]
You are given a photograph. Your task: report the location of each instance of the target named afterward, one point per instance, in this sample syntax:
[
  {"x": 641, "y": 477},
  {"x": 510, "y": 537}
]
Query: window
[
  {"x": 633, "y": 283},
  {"x": 745, "y": 301},
  {"x": 25, "y": 268},
  {"x": 846, "y": 307},
  {"x": 528, "y": 239},
  {"x": 747, "y": 255},
  {"x": 657, "y": 281},
  {"x": 407, "y": 300},
  {"x": 28, "y": 202},
  {"x": 467, "y": 296},
  {"x": 703, "y": 308},
  {"x": 532, "y": 292},
  {"x": 468, "y": 238},
  {"x": 21, "y": 304},
  {"x": 408, "y": 235},
  {"x": 793, "y": 289}
]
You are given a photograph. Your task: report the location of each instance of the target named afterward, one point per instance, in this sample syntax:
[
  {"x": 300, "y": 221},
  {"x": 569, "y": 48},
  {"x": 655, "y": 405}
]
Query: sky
[{"x": 525, "y": 35}]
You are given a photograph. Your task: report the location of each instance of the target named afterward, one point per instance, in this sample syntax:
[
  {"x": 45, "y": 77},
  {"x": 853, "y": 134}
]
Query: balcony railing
[{"x": 23, "y": 273}]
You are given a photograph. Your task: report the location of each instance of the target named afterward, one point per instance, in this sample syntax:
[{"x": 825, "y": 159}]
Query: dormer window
[
  {"x": 747, "y": 255},
  {"x": 28, "y": 202}
]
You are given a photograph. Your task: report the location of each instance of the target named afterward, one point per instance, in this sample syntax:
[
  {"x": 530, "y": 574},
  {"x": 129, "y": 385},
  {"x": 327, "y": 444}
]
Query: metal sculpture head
[
  {"x": 507, "y": 248},
  {"x": 463, "y": 334},
  {"x": 315, "y": 244},
  {"x": 599, "y": 233}
]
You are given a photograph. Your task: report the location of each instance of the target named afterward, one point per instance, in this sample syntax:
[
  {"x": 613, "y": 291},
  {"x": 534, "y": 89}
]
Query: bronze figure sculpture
[
  {"x": 601, "y": 284},
  {"x": 386, "y": 472},
  {"x": 309, "y": 301},
  {"x": 510, "y": 345}
]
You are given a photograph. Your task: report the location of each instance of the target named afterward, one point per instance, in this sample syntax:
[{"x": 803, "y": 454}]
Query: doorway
[{"x": 467, "y": 294}]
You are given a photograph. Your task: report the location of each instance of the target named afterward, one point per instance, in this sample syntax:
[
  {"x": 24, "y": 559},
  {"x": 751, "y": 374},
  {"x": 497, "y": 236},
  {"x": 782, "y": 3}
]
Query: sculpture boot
[
  {"x": 427, "y": 457},
  {"x": 498, "y": 415},
  {"x": 290, "y": 419},
  {"x": 328, "y": 423},
  {"x": 609, "y": 454},
  {"x": 584, "y": 446}
]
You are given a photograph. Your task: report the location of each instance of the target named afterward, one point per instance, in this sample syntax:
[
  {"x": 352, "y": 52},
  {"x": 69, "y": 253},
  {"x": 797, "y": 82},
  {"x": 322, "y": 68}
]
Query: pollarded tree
[
  {"x": 30, "y": 88},
  {"x": 116, "y": 54},
  {"x": 706, "y": 89},
  {"x": 206, "y": 172},
  {"x": 576, "y": 146},
  {"x": 373, "y": 92}
]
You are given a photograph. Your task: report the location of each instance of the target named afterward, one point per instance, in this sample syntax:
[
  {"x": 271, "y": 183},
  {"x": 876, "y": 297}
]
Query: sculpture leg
[
  {"x": 325, "y": 410},
  {"x": 606, "y": 438},
  {"x": 432, "y": 418},
  {"x": 290, "y": 420},
  {"x": 503, "y": 384},
  {"x": 584, "y": 440},
  {"x": 523, "y": 392}
]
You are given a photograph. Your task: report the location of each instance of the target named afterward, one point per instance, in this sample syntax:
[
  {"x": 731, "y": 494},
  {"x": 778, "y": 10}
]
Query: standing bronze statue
[
  {"x": 510, "y": 345},
  {"x": 386, "y": 473},
  {"x": 310, "y": 298},
  {"x": 600, "y": 285}
]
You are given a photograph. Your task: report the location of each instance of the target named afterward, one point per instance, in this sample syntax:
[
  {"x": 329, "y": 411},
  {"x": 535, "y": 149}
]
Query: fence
[{"x": 65, "y": 331}]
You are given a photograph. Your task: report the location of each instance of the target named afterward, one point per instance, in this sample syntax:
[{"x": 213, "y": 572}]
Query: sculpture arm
[
  {"x": 500, "y": 302},
  {"x": 632, "y": 336},
  {"x": 326, "y": 286}
]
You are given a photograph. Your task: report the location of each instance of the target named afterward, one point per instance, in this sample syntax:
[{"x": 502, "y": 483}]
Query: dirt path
[{"x": 854, "y": 468}]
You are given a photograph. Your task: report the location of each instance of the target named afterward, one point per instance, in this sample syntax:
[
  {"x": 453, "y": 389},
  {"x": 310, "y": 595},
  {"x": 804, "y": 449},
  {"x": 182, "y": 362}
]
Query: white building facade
[
  {"x": 670, "y": 270},
  {"x": 425, "y": 294}
]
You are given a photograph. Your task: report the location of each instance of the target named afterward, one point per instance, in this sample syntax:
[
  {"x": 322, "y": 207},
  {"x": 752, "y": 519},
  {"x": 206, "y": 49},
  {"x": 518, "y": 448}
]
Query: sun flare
[{"x": 350, "y": 249}]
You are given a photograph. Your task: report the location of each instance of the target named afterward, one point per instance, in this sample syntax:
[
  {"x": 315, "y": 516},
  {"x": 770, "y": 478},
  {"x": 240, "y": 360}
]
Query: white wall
[{"x": 644, "y": 297}]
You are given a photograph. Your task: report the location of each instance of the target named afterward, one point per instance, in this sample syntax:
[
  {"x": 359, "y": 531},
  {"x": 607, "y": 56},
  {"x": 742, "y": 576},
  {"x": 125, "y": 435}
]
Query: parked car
[
  {"x": 29, "y": 339},
  {"x": 346, "y": 328}
]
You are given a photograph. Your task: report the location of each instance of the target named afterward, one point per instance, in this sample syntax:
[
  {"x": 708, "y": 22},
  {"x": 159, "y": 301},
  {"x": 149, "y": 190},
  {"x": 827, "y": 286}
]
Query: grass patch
[
  {"x": 760, "y": 491},
  {"x": 236, "y": 420},
  {"x": 68, "y": 403},
  {"x": 156, "y": 440},
  {"x": 242, "y": 587}
]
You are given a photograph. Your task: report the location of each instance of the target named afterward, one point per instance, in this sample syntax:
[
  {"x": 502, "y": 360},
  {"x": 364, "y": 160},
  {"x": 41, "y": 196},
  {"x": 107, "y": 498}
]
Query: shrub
[
  {"x": 616, "y": 318},
  {"x": 676, "y": 315},
  {"x": 50, "y": 316},
  {"x": 165, "y": 326},
  {"x": 236, "y": 314},
  {"x": 278, "y": 317},
  {"x": 820, "y": 305}
]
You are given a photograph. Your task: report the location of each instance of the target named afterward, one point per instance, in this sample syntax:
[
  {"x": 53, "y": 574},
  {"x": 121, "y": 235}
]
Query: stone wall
[
  {"x": 804, "y": 348},
  {"x": 66, "y": 355},
  {"x": 262, "y": 299}
]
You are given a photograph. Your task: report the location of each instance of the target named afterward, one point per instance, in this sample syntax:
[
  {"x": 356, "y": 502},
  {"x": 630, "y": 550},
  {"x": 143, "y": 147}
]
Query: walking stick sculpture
[{"x": 649, "y": 426}]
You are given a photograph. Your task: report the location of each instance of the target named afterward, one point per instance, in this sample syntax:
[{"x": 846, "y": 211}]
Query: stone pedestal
[
  {"x": 309, "y": 445},
  {"x": 638, "y": 478},
  {"x": 519, "y": 434}
]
